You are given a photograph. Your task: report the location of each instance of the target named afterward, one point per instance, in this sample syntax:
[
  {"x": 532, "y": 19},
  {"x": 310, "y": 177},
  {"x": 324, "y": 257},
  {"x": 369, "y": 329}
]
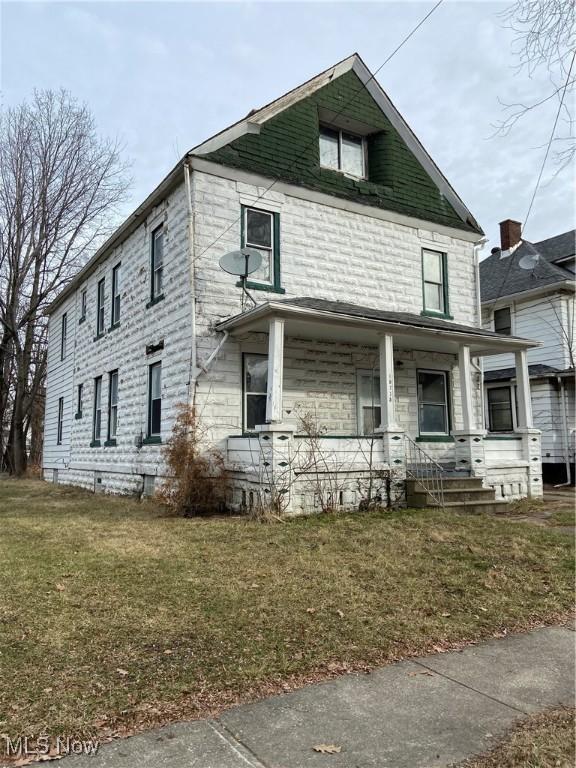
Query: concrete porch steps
[{"x": 461, "y": 494}]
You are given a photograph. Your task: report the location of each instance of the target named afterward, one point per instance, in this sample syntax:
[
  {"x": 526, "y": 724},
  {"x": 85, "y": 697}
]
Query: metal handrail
[{"x": 421, "y": 467}]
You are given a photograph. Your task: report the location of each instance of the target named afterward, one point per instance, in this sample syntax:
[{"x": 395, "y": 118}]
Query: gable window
[
  {"x": 503, "y": 321},
  {"x": 112, "y": 405},
  {"x": 343, "y": 151},
  {"x": 368, "y": 401},
  {"x": 97, "y": 416},
  {"x": 100, "y": 307},
  {"x": 157, "y": 264},
  {"x": 155, "y": 400},
  {"x": 83, "y": 305},
  {"x": 435, "y": 282},
  {"x": 261, "y": 230},
  {"x": 63, "y": 336},
  {"x": 115, "y": 295},
  {"x": 500, "y": 415},
  {"x": 255, "y": 390},
  {"x": 433, "y": 418},
  {"x": 60, "y": 421}
]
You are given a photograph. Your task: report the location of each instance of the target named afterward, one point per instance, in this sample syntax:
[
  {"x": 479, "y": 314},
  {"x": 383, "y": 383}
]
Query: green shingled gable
[{"x": 287, "y": 148}]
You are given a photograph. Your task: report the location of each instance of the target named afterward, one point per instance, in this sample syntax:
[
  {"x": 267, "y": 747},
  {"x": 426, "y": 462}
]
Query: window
[
  {"x": 503, "y": 321},
  {"x": 155, "y": 400},
  {"x": 433, "y": 403},
  {"x": 97, "y": 419},
  {"x": 100, "y": 307},
  {"x": 63, "y": 336},
  {"x": 157, "y": 263},
  {"x": 261, "y": 230},
  {"x": 343, "y": 151},
  {"x": 83, "y": 304},
  {"x": 60, "y": 421},
  {"x": 79, "y": 396},
  {"x": 435, "y": 287},
  {"x": 112, "y": 404},
  {"x": 500, "y": 418},
  {"x": 116, "y": 295},
  {"x": 255, "y": 390},
  {"x": 368, "y": 399}
]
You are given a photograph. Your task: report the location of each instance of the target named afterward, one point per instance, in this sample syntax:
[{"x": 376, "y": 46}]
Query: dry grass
[
  {"x": 540, "y": 741},
  {"x": 114, "y": 616}
]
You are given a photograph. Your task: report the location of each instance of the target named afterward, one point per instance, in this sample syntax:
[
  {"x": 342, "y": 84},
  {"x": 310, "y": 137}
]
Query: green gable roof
[{"x": 287, "y": 148}]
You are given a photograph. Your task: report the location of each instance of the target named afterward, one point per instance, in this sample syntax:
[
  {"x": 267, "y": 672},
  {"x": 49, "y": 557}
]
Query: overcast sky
[{"x": 163, "y": 76}]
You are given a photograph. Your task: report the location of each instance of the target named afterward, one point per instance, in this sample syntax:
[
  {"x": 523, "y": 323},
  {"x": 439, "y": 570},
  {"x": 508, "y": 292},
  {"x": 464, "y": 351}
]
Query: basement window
[{"x": 343, "y": 151}]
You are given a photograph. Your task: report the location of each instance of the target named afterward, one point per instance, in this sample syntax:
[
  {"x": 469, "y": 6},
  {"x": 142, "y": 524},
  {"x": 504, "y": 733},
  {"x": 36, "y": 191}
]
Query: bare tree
[
  {"x": 545, "y": 40},
  {"x": 60, "y": 185}
]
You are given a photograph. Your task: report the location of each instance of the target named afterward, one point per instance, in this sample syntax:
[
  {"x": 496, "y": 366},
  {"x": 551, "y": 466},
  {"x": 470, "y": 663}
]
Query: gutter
[
  {"x": 193, "y": 367},
  {"x": 534, "y": 292}
]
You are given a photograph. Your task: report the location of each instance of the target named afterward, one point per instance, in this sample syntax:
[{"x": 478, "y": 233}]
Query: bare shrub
[{"x": 198, "y": 482}]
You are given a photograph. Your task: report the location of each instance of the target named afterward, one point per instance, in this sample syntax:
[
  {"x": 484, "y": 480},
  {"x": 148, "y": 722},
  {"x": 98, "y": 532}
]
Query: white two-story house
[
  {"x": 355, "y": 363},
  {"x": 528, "y": 290}
]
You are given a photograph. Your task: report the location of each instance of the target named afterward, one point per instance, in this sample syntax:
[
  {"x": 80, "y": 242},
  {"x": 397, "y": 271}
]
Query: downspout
[
  {"x": 565, "y": 438},
  {"x": 193, "y": 370},
  {"x": 479, "y": 367}
]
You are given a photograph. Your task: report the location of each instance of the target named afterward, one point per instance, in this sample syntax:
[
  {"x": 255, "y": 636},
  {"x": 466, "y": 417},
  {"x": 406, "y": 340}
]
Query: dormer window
[{"x": 343, "y": 151}]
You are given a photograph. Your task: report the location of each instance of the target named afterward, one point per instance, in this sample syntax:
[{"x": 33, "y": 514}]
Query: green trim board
[
  {"x": 502, "y": 437},
  {"x": 155, "y": 301},
  {"x": 435, "y": 439},
  {"x": 152, "y": 440}
]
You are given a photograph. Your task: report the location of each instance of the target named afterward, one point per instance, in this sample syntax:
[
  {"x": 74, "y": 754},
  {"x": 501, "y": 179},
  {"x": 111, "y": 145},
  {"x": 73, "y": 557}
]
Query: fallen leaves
[
  {"x": 327, "y": 749},
  {"x": 122, "y": 672}
]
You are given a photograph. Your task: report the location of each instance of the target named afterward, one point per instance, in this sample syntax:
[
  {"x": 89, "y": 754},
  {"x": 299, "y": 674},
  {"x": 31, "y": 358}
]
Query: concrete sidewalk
[{"x": 433, "y": 711}]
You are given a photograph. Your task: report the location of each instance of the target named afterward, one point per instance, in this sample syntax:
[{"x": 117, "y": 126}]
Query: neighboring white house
[
  {"x": 528, "y": 290},
  {"x": 367, "y": 317}
]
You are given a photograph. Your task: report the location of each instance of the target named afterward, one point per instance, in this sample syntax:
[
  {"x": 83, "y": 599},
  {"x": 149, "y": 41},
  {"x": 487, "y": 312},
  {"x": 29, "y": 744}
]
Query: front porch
[{"x": 389, "y": 387}]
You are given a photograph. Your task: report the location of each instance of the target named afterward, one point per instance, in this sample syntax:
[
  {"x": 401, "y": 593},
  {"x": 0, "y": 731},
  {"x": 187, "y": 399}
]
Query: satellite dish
[
  {"x": 529, "y": 261},
  {"x": 242, "y": 262}
]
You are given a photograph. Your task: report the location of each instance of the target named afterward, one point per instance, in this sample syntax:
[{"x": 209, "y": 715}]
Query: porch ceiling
[{"x": 352, "y": 323}]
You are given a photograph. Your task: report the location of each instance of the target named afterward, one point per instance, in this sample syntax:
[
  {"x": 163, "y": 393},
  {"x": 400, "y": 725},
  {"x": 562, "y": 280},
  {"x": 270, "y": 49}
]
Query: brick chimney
[{"x": 510, "y": 234}]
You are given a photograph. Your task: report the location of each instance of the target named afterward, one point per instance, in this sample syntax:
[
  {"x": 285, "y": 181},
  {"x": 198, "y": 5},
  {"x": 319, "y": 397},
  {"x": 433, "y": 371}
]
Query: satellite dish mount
[{"x": 242, "y": 263}]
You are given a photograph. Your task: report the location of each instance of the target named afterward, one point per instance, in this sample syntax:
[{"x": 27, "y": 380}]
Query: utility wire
[
  {"x": 564, "y": 89},
  {"x": 539, "y": 179},
  {"x": 331, "y": 123}
]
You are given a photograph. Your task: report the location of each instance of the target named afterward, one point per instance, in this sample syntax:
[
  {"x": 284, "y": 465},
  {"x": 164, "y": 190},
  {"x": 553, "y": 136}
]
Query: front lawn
[{"x": 114, "y": 616}]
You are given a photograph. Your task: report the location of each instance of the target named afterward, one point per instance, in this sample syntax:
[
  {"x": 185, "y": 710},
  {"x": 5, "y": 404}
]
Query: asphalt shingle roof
[
  {"x": 502, "y": 276},
  {"x": 402, "y": 318},
  {"x": 503, "y": 374}
]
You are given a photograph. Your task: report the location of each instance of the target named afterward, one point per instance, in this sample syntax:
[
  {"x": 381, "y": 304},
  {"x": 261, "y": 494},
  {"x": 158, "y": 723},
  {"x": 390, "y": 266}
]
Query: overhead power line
[{"x": 331, "y": 123}]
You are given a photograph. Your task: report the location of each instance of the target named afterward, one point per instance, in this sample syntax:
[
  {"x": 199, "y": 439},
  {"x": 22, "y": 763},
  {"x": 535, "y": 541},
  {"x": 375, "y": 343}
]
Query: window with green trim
[
  {"x": 435, "y": 282},
  {"x": 261, "y": 231}
]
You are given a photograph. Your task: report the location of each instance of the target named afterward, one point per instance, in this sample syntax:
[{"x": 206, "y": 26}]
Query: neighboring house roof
[
  {"x": 534, "y": 371},
  {"x": 317, "y": 308},
  {"x": 501, "y": 274},
  {"x": 558, "y": 247}
]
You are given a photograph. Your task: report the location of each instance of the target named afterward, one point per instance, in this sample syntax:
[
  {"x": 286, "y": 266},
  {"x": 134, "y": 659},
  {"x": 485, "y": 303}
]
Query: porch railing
[{"x": 422, "y": 468}]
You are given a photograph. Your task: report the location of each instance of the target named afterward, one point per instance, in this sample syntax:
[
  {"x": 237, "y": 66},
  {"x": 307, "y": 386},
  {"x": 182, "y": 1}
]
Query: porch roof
[{"x": 340, "y": 321}]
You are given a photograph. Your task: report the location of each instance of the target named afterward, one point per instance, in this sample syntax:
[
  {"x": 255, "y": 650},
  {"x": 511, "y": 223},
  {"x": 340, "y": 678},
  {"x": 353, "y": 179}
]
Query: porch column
[
  {"x": 275, "y": 371},
  {"x": 469, "y": 449},
  {"x": 523, "y": 389},
  {"x": 531, "y": 438},
  {"x": 468, "y": 420},
  {"x": 387, "y": 393}
]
